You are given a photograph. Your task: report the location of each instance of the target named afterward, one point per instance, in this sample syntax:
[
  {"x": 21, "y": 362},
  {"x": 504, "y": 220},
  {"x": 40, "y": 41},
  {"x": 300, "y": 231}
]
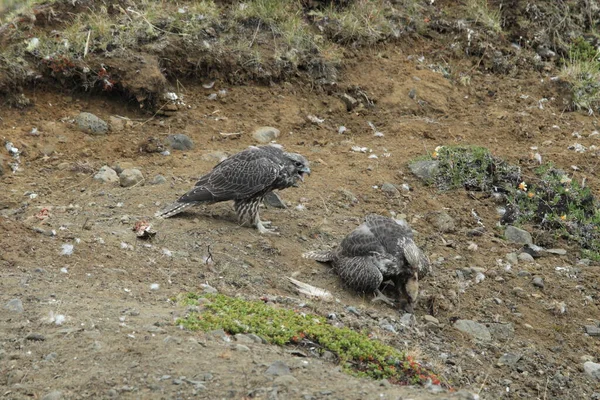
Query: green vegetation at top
[
  {"x": 581, "y": 71},
  {"x": 357, "y": 352}
]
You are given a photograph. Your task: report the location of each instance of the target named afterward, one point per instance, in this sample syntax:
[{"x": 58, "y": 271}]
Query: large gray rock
[
  {"x": 130, "y": 177},
  {"x": 278, "y": 368},
  {"x": 91, "y": 124},
  {"x": 426, "y": 169},
  {"x": 474, "y": 329},
  {"x": 592, "y": 369},
  {"x": 180, "y": 141},
  {"x": 106, "y": 175},
  {"x": 516, "y": 235},
  {"x": 14, "y": 305},
  {"x": 265, "y": 134}
]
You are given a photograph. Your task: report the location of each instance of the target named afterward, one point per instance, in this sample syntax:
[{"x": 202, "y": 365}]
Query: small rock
[
  {"x": 240, "y": 337},
  {"x": 559, "y": 252},
  {"x": 407, "y": 320},
  {"x": 206, "y": 288},
  {"x": 116, "y": 124},
  {"x": 180, "y": 141},
  {"x": 501, "y": 332},
  {"x": 158, "y": 180},
  {"x": 442, "y": 221},
  {"x": 538, "y": 282},
  {"x": 242, "y": 348},
  {"x": 285, "y": 380},
  {"x": 220, "y": 334},
  {"x": 272, "y": 199},
  {"x": 509, "y": 359},
  {"x": 278, "y": 368},
  {"x": 474, "y": 329},
  {"x": 89, "y": 123},
  {"x": 35, "y": 337},
  {"x": 172, "y": 339},
  {"x": 256, "y": 338},
  {"x": 349, "y": 101},
  {"x": 516, "y": 235},
  {"x": 512, "y": 258},
  {"x": 54, "y": 395},
  {"x": 426, "y": 170},
  {"x": 390, "y": 189},
  {"x": 592, "y": 330},
  {"x": 14, "y": 305},
  {"x": 353, "y": 310},
  {"x": 215, "y": 156},
  {"x": 592, "y": 369},
  {"x": 265, "y": 134},
  {"x": 107, "y": 175},
  {"x": 432, "y": 319},
  {"x": 130, "y": 177},
  {"x": 524, "y": 273},
  {"x": 526, "y": 257}
]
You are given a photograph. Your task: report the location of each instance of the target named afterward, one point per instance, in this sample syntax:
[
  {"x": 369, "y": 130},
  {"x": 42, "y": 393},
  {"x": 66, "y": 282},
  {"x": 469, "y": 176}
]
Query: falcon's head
[{"x": 297, "y": 168}]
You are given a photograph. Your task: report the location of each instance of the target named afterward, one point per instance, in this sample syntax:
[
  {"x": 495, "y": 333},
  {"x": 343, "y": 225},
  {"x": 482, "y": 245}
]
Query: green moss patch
[{"x": 357, "y": 353}]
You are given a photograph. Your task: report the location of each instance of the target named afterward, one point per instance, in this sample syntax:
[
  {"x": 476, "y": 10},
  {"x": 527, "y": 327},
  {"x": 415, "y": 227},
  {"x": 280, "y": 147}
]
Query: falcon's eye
[{"x": 299, "y": 164}]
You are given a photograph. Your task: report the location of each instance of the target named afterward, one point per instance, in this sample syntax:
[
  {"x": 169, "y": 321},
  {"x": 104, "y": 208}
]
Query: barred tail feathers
[
  {"x": 321, "y": 256},
  {"x": 173, "y": 209}
]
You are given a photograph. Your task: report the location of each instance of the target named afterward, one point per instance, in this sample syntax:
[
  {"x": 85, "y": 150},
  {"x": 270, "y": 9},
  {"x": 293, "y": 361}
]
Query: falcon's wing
[
  {"x": 387, "y": 231},
  {"x": 238, "y": 177},
  {"x": 360, "y": 242}
]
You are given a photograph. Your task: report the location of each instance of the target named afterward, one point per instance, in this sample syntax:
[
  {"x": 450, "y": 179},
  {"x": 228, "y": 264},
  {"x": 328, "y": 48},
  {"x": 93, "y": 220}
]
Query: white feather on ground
[{"x": 311, "y": 291}]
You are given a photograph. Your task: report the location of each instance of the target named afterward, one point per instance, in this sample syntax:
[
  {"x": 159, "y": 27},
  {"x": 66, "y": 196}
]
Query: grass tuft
[
  {"x": 480, "y": 12},
  {"x": 582, "y": 73},
  {"x": 357, "y": 353}
]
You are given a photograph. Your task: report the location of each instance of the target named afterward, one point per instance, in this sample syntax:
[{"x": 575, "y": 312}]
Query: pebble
[
  {"x": 432, "y": 319},
  {"x": 285, "y": 380},
  {"x": 89, "y": 123},
  {"x": 172, "y": 339},
  {"x": 242, "y": 348},
  {"x": 278, "y": 368},
  {"x": 509, "y": 359},
  {"x": 442, "y": 221},
  {"x": 526, "y": 257},
  {"x": 559, "y": 252},
  {"x": 180, "y": 141},
  {"x": 106, "y": 175},
  {"x": 130, "y": 177},
  {"x": 512, "y": 258},
  {"x": 353, "y": 310},
  {"x": 256, "y": 338},
  {"x": 220, "y": 334},
  {"x": 35, "y": 337},
  {"x": 14, "y": 305},
  {"x": 265, "y": 134},
  {"x": 592, "y": 330},
  {"x": 116, "y": 124},
  {"x": 517, "y": 235},
  {"x": 474, "y": 329},
  {"x": 538, "y": 282},
  {"x": 54, "y": 395},
  {"x": 390, "y": 189},
  {"x": 158, "y": 180},
  {"x": 240, "y": 337}
]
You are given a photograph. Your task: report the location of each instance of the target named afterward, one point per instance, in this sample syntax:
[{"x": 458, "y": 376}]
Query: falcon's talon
[
  {"x": 382, "y": 297},
  {"x": 261, "y": 229}
]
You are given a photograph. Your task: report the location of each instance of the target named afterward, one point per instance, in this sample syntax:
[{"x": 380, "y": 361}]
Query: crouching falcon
[
  {"x": 380, "y": 249},
  {"x": 245, "y": 178}
]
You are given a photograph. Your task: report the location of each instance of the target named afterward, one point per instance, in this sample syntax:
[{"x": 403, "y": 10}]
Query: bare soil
[{"x": 119, "y": 338}]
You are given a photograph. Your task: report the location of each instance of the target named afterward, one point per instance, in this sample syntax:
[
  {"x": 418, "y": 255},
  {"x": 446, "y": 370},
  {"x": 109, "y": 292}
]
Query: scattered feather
[
  {"x": 311, "y": 291},
  {"x": 67, "y": 249}
]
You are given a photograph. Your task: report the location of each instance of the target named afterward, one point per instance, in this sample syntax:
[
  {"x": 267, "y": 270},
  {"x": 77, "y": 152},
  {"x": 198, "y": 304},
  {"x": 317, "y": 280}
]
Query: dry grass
[{"x": 481, "y": 13}]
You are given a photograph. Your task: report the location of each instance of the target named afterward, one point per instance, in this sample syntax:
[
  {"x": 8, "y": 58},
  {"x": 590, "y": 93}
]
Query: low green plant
[
  {"x": 357, "y": 353},
  {"x": 582, "y": 73},
  {"x": 481, "y": 13}
]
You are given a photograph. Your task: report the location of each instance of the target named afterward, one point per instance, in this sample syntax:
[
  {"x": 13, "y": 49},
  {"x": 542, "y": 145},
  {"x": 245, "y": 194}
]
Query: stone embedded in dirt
[
  {"x": 180, "y": 141},
  {"x": 512, "y": 258},
  {"x": 240, "y": 337},
  {"x": 592, "y": 330},
  {"x": 206, "y": 288},
  {"x": 35, "y": 337},
  {"x": 256, "y": 338},
  {"x": 516, "y": 235},
  {"x": 219, "y": 334},
  {"x": 15, "y": 305},
  {"x": 559, "y": 252},
  {"x": 538, "y": 282},
  {"x": 278, "y": 368},
  {"x": 215, "y": 156},
  {"x": 474, "y": 329},
  {"x": 285, "y": 380},
  {"x": 54, "y": 395},
  {"x": 432, "y": 319},
  {"x": 592, "y": 369},
  {"x": 509, "y": 359},
  {"x": 91, "y": 124},
  {"x": 426, "y": 169},
  {"x": 158, "y": 180},
  {"x": 274, "y": 200},
  {"x": 501, "y": 332},
  {"x": 107, "y": 175},
  {"x": 172, "y": 339},
  {"x": 241, "y": 347},
  {"x": 349, "y": 101},
  {"x": 265, "y": 134},
  {"x": 130, "y": 177},
  {"x": 116, "y": 124},
  {"x": 390, "y": 189},
  {"x": 525, "y": 257},
  {"x": 442, "y": 221},
  {"x": 534, "y": 250}
]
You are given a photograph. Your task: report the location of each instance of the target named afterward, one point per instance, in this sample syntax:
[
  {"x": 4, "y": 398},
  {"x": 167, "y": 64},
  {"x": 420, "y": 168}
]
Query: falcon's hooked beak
[{"x": 301, "y": 172}]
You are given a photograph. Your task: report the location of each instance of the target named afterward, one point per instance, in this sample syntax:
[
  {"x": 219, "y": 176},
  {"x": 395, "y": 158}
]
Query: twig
[
  {"x": 155, "y": 114},
  {"x": 210, "y": 256},
  {"x": 255, "y": 33},
  {"x": 87, "y": 43}
]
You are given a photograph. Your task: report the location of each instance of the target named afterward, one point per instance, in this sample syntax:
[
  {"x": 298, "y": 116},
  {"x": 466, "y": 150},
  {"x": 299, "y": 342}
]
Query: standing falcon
[
  {"x": 380, "y": 249},
  {"x": 245, "y": 178}
]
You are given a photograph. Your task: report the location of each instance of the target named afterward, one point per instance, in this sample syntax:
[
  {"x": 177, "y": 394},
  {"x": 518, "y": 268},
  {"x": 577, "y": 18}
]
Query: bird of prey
[
  {"x": 245, "y": 178},
  {"x": 380, "y": 249}
]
